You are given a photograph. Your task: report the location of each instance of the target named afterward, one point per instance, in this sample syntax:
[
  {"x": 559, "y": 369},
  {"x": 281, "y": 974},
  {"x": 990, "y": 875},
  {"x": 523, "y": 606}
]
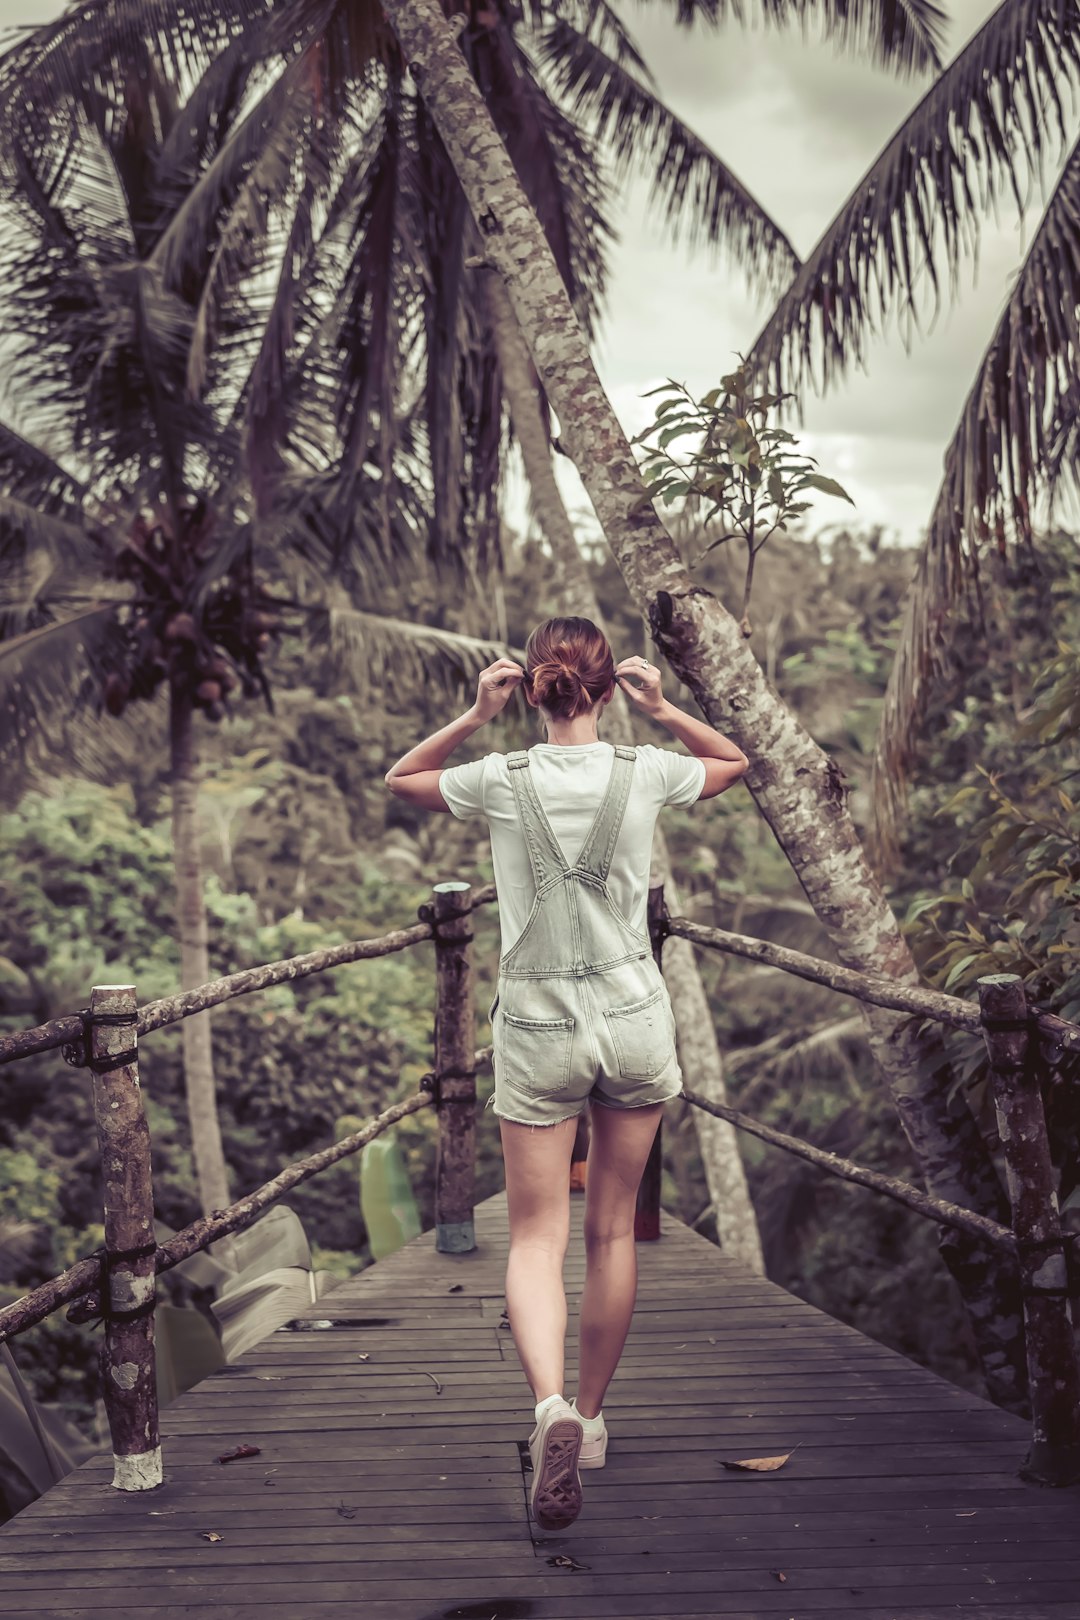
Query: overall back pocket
[
  {"x": 536, "y": 1053},
  {"x": 642, "y": 1035}
]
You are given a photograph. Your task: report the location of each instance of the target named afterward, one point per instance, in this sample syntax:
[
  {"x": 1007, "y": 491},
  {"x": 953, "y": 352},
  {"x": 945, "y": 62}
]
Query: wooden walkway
[{"x": 390, "y": 1484}]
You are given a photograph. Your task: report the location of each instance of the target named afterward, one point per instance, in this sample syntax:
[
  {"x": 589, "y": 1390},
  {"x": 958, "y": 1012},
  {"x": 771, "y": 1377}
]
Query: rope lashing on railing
[
  {"x": 935, "y": 1209},
  {"x": 70, "y": 1030},
  {"x": 87, "y": 1275},
  {"x": 90, "y": 1308},
  {"x": 879, "y": 991}
]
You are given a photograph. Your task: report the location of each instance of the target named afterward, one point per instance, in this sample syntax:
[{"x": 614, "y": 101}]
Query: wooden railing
[
  {"x": 119, "y": 1283},
  {"x": 1022, "y": 1043}
]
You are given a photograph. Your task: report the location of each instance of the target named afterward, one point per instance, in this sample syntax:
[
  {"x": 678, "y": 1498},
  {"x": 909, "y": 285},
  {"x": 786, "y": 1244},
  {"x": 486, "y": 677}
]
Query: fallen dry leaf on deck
[
  {"x": 212, "y": 1535},
  {"x": 455, "y": 1288},
  {"x": 239, "y": 1451},
  {"x": 761, "y": 1465},
  {"x": 564, "y": 1561},
  {"x": 779, "y": 1574}
]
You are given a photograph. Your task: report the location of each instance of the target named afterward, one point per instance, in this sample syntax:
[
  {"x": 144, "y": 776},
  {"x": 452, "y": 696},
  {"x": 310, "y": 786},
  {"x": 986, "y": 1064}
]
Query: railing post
[
  {"x": 128, "y": 1274},
  {"x": 647, "y": 1213},
  {"x": 455, "y": 1070},
  {"x": 1053, "y": 1371}
]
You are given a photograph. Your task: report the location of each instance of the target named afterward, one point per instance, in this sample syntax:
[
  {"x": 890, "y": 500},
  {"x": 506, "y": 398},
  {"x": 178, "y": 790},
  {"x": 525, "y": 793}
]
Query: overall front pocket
[
  {"x": 642, "y": 1036},
  {"x": 536, "y": 1053}
]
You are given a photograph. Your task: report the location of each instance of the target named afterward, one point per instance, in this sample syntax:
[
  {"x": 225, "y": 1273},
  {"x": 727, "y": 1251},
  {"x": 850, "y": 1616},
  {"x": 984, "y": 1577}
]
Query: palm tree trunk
[
  {"x": 699, "y": 1051},
  {"x": 210, "y": 1170},
  {"x": 797, "y": 787}
]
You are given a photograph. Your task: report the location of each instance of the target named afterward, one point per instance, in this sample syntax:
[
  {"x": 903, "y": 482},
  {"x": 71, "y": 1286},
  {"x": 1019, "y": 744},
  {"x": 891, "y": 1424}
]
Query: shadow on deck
[{"x": 390, "y": 1484}]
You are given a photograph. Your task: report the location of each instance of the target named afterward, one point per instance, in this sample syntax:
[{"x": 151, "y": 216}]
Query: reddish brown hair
[{"x": 568, "y": 666}]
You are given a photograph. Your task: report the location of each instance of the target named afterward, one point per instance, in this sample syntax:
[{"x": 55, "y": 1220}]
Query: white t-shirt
[{"x": 570, "y": 779}]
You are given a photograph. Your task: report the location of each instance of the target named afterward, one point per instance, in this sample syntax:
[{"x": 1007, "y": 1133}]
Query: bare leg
[
  {"x": 621, "y": 1139},
  {"x": 537, "y": 1160}
]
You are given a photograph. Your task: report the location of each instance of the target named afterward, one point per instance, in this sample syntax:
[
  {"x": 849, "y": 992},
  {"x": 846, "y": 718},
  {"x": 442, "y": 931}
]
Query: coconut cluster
[{"x": 210, "y": 654}]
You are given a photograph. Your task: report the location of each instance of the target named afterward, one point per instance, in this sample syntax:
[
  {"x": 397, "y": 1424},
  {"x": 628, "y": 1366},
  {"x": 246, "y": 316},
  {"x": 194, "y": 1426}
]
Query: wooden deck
[{"x": 390, "y": 1483}]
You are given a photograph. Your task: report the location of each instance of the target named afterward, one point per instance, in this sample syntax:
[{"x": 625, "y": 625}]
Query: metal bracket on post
[
  {"x": 453, "y": 1080},
  {"x": 1053, "y": 1368}
]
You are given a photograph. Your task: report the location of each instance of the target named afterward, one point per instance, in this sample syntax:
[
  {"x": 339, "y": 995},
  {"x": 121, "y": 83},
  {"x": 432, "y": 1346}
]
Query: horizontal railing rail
[
  {"x": 902, "y": 1192},
  {"x": 880, "y": 992},
  {"x": 167, "y": 1010}
]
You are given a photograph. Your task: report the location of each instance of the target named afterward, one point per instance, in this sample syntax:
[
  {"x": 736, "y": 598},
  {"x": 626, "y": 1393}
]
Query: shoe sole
[{"x": 556, "y": 1493}]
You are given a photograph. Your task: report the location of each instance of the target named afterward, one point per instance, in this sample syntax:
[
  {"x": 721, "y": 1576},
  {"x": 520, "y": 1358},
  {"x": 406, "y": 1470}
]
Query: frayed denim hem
[{"x": 538, "y": 1124}]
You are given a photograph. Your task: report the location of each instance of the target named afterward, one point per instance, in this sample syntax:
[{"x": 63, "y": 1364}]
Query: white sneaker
[
  {"x": 593, "y": 1447},
  {"x": 554, "y": 1446}
]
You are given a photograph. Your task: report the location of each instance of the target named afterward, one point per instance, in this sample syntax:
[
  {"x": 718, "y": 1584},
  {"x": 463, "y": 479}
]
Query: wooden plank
[
  {"x": 729, "y": 1593},
  {"x": 682, "y": 1554},
  {"x": 288, "y": 1522},
  {"x": 623, "y": 1609}
]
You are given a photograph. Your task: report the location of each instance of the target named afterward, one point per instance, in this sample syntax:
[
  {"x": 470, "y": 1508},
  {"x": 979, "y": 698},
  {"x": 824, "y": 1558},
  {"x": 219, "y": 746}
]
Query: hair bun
[{"x": 569, "y": 666}]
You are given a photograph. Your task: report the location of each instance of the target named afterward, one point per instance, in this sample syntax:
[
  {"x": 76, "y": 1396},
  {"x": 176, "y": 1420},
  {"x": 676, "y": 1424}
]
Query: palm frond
[
  {"x": 262, "y": 138},
  {"x": 29, "y": 473},
  {"x": 906, "y": 35},
  {"x": 998, "y": 459},
  {"x": 380, "y": 652},
  {"x": 699, "y": 193},
  {"x": 44, "y": 559},
  {"x": 601, "y": 23},
  {"x": 1063, "y": 458},
  {"x": 981, "y": 128},
  {"x": 97, "y": 348},
  {"x": 586, "y": 199},
  {"x": 54, "y": 63},
  {"x": 51, "y": 672}
]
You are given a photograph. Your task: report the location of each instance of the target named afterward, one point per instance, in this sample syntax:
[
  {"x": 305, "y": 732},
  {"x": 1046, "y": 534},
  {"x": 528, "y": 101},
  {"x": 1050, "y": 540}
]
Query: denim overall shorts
[{"x": 581, "y": 1013}]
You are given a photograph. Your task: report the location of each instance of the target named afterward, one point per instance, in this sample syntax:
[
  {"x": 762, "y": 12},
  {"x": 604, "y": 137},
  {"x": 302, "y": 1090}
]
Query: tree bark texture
[
  {"x": 1053, "y": 1373},
  {"x": 798, "y": 789},
  {"x": 128, "y": 1379},
  {"x": 455, "y": 1070},
  {"x": 207, "y": 1150},
  {"x": 699, "y": 1051}
]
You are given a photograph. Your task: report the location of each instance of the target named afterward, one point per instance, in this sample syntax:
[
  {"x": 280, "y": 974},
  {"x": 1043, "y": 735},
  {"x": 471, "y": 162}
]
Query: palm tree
[{"x": 135, "y": 566}]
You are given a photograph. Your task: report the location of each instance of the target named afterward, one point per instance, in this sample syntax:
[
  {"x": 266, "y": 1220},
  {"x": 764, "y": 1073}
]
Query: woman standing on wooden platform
[{"x": 581, "y": 1014}]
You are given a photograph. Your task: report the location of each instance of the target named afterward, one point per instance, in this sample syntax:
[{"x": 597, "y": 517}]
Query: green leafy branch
[{"x": 744, "y": 470}]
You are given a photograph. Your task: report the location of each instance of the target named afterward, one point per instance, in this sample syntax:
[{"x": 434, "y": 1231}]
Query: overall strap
[
  {"x": 545, "y": 855},
  {"x": 599, "y": 846}
]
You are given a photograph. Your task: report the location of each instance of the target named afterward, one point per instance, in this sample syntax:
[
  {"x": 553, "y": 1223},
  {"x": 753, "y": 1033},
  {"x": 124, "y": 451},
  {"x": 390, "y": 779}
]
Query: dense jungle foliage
[{"x": 304, "y": 846}]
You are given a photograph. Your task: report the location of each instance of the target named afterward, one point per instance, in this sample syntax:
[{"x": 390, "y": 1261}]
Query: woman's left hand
[{"x": 495, "y": 687}]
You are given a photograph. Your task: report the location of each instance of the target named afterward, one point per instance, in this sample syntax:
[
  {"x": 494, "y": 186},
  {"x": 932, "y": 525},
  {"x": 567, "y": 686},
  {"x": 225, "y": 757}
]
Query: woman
[{"x": 582, "y": 1013}]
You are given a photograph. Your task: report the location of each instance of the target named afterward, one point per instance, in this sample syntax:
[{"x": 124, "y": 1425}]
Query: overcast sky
[{"x": 799, "y": 124}]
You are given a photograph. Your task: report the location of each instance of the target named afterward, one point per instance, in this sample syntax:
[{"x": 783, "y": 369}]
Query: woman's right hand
[{"x": 641, "y": 685}]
